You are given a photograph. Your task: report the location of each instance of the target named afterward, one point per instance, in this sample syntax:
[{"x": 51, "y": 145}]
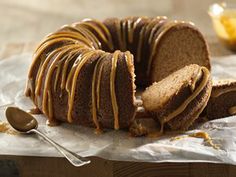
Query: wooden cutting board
[{"x": 28, "y": 166}]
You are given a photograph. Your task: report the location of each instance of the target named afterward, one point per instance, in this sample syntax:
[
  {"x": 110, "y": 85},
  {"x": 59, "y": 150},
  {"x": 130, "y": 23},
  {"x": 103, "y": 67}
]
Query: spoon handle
[{"x": 72, "y": 157}]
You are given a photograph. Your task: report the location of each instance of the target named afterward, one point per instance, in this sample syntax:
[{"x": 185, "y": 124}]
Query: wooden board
[
  {"x": 22, "y": 166},
  {"x": 16, "y": 48}
]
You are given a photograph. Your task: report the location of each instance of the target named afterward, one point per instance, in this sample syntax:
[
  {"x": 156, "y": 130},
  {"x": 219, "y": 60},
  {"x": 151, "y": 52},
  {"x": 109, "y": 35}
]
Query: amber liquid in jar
[{"x": 228, "y": 34}]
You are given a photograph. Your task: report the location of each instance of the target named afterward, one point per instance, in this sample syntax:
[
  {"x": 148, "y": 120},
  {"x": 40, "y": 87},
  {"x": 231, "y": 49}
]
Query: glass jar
[{"x": 224, "y": 22}]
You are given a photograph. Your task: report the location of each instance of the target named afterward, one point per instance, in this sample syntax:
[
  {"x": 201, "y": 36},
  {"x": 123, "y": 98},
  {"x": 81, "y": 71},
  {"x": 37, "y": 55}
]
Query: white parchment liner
[{"x": 113, "y": 145}]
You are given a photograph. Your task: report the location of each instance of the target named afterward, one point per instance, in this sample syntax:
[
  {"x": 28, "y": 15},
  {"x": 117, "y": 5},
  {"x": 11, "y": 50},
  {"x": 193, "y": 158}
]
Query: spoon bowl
[
  {"x": 20, "y": 120},
  {"x": 26, "y": 123}
]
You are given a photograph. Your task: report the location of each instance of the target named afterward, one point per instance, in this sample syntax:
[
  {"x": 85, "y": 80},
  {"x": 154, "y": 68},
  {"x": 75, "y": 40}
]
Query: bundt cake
[
  {"x": 178, "y": 99},
  {"x": 222, "y": 102},
  {"x": 84, "y": 73}
]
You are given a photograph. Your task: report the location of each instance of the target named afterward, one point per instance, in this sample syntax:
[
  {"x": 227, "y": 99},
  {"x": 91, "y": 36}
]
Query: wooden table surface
[{"x": 28, "y": 166}]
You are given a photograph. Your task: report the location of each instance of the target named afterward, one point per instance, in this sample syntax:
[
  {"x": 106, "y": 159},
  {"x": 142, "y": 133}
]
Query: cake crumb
[
  {"x": 177, "y": 138},
  {"x": 6, "y": 128},
  {"x": 137, "y": 129}
]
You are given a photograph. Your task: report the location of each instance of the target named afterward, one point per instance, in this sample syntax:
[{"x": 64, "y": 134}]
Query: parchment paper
[{"x": 113, "y": 145}]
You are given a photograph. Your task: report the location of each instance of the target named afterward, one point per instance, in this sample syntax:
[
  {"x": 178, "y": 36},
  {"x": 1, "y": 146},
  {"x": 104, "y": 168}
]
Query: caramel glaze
[
  {"x": 35, "y": 111},
  {"x": 153, "y": 27},
  {"x": 204, "y": 135},
  {"x": 81, "y": 41},
  {"x": 6, "y": 128},
  {"x": 232, "y": 110},
  {"x": 112, "y": 89},
  {"x": 206, "y": 138},
  {"x": 96, "y": 91},
  {"x": 220, "y": 92},
  {"x": 202, "y": 73}
]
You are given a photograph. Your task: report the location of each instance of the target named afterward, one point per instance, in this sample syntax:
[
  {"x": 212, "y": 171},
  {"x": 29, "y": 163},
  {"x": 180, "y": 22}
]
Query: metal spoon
[{"x": 26, "y": 123}]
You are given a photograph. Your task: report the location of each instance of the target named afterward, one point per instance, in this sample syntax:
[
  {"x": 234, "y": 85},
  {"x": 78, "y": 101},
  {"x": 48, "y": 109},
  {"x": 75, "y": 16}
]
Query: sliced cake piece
[
  {"x": 176, "y": 45},
  {"x": 222, "y": 102},
  {"x": 178, "y": 99}
]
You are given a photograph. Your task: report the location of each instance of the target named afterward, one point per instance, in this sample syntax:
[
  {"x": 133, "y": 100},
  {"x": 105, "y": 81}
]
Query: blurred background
[{"x": 30, "y": 20}]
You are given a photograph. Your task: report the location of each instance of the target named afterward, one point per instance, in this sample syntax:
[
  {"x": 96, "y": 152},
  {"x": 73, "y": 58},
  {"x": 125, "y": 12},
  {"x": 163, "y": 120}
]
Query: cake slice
[
  {"x": 177, "y": 100},
  {"x": 176, "y": 45},
  {"x": 222, "y": 102}
]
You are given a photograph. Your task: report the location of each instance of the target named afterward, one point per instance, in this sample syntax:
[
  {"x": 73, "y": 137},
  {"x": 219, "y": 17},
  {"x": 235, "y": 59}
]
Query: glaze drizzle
[{"x": 65, "y": 52}]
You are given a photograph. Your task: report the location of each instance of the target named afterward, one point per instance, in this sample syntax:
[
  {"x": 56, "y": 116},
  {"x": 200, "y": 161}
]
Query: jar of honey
[{"x": 224, "y": 22}]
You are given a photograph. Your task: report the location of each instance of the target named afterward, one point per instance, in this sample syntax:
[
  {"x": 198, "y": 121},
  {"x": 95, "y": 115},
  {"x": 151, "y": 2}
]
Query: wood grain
[
  {"x": 150, "y": 169},
  {"x": 27, "y": 20},
  {"x": 16, "y": 48},
  {"x": 60, "y": 167}
]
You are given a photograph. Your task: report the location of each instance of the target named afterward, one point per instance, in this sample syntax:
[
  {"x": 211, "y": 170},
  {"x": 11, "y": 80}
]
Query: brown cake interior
[
  {"x": 223, "y": 100},
  {"x": 166, "y": 97},
  {"x": 181, "y": 45}
]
